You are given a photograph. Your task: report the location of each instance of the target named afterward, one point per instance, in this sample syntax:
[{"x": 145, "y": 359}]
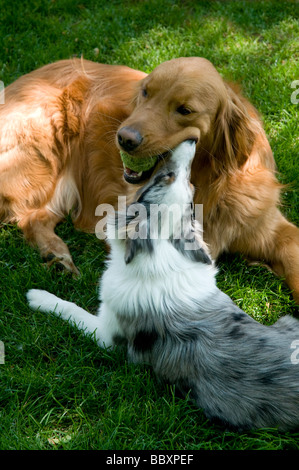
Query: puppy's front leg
[{"x": 104, "y": 327}]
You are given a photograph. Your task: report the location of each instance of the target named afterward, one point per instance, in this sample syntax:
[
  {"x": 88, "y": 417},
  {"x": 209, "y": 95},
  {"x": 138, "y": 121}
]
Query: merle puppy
[{"x": 159, "y": 295}]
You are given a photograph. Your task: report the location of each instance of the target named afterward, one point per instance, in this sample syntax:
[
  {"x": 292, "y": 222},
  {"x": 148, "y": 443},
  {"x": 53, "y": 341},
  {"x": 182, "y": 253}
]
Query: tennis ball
[{"x": 137, "y": 164}]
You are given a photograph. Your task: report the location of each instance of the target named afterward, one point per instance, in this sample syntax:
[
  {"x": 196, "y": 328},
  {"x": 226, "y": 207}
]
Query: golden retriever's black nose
[{"x": 129, "y": 139}]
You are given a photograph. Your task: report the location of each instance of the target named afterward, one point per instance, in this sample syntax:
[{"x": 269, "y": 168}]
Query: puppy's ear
[
  {"x": 131, "y": 250},
  {"x": 135, "y": 246},
  {"x": 132, "y": 244},
  {"x": 193, "y": 248},
  {"x": 137, "y": 232}
]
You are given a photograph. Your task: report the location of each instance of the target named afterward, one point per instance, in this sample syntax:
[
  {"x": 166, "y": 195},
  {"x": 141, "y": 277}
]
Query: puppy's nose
[{"x": 129, "y": 139}]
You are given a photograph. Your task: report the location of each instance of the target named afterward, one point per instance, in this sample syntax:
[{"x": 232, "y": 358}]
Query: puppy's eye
[
  {"x": 144, "y": 92},
  {"x": 183, "y": 110},
  {"x": 169, "y": 178},
  {"x": 163, "y": 178}
]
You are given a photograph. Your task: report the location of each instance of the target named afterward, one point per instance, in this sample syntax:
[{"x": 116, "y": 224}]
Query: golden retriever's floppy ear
[{"x": 233, "y": 135}]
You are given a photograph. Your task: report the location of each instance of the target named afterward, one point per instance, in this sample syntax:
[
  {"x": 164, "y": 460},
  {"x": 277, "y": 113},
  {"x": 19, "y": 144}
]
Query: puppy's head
[
  {"x": 170, "y": 181},
  {"x": 164, "y": 209}
]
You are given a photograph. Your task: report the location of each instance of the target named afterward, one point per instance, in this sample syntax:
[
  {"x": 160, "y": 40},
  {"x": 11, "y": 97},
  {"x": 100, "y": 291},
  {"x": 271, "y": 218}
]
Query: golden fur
[{"x": 59, "y": 152}]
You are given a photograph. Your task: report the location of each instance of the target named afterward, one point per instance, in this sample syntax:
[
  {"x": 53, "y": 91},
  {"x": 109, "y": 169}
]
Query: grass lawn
[{"x": 57, "y": 389}]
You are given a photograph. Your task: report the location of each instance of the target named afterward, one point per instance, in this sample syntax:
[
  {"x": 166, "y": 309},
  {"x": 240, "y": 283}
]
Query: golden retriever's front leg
[
  {"x": 284, "y": 259},
  {"x": 38, "y": 228},
  {"x": 276, "y": 246}
]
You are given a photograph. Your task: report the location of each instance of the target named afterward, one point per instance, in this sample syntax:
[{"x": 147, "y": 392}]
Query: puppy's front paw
[{"x": 41, "y": 300}]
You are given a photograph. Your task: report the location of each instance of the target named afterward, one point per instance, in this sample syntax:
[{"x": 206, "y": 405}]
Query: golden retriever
[{"x": 62, "y": 128}]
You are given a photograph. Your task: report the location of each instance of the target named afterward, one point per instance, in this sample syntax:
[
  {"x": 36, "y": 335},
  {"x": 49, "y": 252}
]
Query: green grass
[{"x": 57, "y": 389}]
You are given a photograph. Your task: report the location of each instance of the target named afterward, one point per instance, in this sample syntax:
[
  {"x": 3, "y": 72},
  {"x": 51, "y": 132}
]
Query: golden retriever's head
[{"x": 183, "y": 99}]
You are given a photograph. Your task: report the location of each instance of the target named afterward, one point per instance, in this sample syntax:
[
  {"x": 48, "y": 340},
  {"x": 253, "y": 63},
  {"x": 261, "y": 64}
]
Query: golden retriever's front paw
[{"x": 62, "y": 263}]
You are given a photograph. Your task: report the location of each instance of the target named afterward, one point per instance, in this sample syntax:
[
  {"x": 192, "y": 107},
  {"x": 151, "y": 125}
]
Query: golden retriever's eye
[
  {"x": 144, "y": 92},
  {"x": 183, "y": 110}
]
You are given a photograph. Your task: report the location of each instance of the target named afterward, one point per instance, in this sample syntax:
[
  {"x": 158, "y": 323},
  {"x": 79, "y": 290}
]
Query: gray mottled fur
[{"x": 236, "y": 369}]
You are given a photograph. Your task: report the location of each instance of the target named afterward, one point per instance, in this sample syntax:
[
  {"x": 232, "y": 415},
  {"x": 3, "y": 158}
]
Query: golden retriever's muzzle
[{"x": 129, "y": 139}]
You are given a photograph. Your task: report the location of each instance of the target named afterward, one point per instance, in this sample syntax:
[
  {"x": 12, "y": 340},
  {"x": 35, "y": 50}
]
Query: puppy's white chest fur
[{"x": 152, "y": 280}]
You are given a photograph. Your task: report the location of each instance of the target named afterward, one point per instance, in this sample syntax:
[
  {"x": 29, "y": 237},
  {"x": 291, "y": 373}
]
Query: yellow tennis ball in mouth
[{"x": 137, "y": 164}]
